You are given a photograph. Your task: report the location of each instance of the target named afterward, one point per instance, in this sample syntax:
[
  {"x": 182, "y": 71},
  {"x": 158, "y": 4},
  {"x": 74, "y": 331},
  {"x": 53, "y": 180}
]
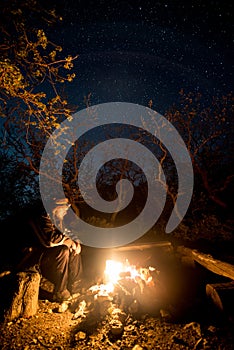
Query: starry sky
[{"x": 135, "y": 51}]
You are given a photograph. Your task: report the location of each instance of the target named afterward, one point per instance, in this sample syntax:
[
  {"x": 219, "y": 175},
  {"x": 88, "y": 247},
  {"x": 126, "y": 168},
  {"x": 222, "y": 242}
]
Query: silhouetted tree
[
  {"x": 31, "y": 102},
  {"x": 207, "y": 129}
]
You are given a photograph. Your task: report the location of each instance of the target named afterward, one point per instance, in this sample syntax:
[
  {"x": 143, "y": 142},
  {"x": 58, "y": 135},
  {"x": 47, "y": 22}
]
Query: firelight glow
[{"x": 114, "y": 269}]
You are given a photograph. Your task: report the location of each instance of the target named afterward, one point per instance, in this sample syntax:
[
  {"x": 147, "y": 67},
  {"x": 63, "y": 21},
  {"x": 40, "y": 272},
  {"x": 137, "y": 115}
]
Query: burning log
[
  {"x": 126, "y": 291},
  {"x": 135, "y": 289}
]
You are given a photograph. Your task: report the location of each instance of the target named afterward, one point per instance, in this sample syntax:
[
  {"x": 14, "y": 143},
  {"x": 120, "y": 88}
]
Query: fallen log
[
  {"x": 142, "y": 246},
  {"x": 25, "y": 299},
  {"x": 222, "y": 295},
  {"x": 214, "y": 265}
]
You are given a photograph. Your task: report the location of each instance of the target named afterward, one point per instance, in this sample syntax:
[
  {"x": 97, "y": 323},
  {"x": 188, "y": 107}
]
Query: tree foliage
[
  {"x": 29, "y": 66},
  {"x": 32, "y": 71}
]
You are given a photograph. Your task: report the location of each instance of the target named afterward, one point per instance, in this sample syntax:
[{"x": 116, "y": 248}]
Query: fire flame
[{"x": 115, "y": 270}]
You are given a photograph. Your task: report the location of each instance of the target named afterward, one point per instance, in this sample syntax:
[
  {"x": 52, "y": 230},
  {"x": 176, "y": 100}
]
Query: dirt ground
[
  {"x": 188, "y": 323},
  {"x": 52, "y": 329},
  {"x": 49, "y": 329}
]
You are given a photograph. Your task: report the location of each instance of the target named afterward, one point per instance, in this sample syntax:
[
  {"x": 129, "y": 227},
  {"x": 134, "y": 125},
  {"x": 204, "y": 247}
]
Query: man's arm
[
  {"x": 50, "y": 236},
  {"x": 70, "y": 243}
]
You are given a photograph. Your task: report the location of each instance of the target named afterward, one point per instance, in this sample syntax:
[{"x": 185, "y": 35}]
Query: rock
[
  {"x": 119, "y": 315},
  {"x": 63, "y": 307},
  {"x": 81, "y": 310},
  {"x": 80, "y": 336},
  {"x": 137, "y": 347},
  {"x": 129, "y": 328},
  {"x": 116, "y": 327}
]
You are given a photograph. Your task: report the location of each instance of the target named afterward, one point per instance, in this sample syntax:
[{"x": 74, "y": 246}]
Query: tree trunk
[{"x": 25, "y": 298}]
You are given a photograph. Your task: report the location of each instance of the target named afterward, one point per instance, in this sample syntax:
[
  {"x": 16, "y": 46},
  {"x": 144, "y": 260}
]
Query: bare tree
[{"x": 207, "y": 129}]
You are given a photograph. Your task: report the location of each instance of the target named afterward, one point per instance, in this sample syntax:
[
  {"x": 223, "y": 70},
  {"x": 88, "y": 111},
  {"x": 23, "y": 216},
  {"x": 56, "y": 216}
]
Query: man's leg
[
  {"x": 74, "y": 272},
  {"x": 55, "y": 267}
]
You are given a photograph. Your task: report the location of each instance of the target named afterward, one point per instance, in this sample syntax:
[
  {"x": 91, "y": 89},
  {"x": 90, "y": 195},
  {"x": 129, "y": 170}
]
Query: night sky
[
  {"x": 137, "y": 51},
  {"x": 143, "y": 50}
]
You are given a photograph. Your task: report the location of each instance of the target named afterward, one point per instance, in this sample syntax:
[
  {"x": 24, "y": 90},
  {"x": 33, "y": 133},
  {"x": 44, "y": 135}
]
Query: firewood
[
  {"x": 209, "y": 262},
  {"x": 222, "y": 295},
  {"x": 163, "y": 245}
]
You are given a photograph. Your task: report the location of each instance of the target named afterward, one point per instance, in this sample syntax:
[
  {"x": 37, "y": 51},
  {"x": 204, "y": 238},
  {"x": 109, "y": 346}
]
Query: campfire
[
  {"x": 124, "y": 290},
  {"x": 115, "y": 271},
  {"x": 122, "y": 276}
]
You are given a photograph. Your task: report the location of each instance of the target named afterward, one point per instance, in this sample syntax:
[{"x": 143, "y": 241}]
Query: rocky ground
[
  {"x": 80, "y": 325},
  {"x": 49, "y": 329}
]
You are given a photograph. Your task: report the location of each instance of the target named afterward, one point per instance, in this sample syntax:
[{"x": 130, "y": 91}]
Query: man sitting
[{"x": 60, "y": 261}]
